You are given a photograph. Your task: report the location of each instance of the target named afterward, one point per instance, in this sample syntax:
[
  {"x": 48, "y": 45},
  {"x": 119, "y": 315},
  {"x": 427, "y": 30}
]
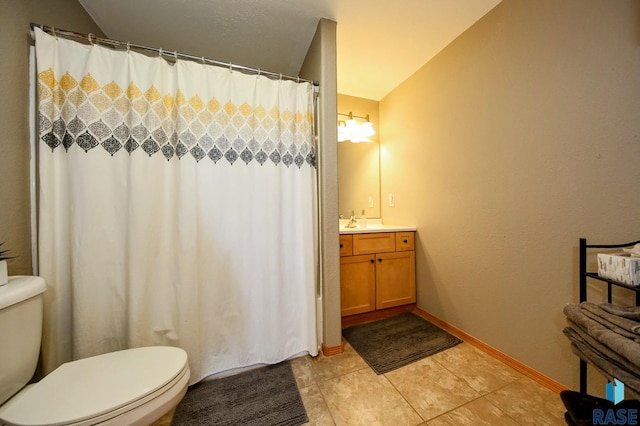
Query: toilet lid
[
  {"x": 93, "y": 386},
  {"x": 19, "y": 288}
]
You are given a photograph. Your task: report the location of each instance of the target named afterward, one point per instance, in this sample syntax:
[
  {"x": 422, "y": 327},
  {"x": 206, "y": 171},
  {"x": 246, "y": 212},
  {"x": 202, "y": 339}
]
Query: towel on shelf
[
  {"x": 608, "y": 369},
  {"x": 623, "y": 326},
  {"x": 577, "y": 335},
  {"x": 630, "y": 312},
  {"x": 623, "y": 346},
  {"x": 607, "y": 341},
  {"x": 607, "y": 362}
]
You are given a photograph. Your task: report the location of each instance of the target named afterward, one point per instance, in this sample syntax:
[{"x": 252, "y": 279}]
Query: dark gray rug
[
  {"x": 394, "y": 342},
  {"x": 266, "y": 396}
]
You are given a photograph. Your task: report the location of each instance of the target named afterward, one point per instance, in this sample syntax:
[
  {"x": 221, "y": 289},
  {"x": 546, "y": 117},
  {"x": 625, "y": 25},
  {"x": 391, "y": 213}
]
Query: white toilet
[{"x": 129, "y": 387}]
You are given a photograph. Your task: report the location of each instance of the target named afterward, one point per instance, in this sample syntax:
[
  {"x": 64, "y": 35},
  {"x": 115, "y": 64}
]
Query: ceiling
[{"x": 379, "y": 43}]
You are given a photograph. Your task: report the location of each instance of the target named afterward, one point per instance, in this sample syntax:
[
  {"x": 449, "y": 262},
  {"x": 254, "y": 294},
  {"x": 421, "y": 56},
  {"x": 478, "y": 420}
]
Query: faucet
[{"x": 352, "y": 220}]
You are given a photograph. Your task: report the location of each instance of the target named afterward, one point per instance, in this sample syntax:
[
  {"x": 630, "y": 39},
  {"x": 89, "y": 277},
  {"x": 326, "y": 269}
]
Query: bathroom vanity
[{"x": 377, "y": 268}]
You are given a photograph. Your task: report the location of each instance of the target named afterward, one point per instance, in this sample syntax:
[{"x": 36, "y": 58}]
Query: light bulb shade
[
  {"x": 343, "y": 134},
  {"x": 367, "y": 129},
  {"x": 351, "y": 125},
  {"x": 358, "y": 136},
  {"x": 351, "y": 130}
]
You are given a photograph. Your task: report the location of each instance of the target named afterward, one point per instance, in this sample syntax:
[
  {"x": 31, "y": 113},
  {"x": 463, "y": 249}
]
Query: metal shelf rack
[{"x": 585, "y": 275}]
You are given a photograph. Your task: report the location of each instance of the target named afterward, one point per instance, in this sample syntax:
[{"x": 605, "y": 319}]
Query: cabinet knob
[
  {"x": 379, "y": 260},
  {"x": 405, "y": 241},
  {"x": 372, "y": 261},
  {"x": 341, "y": 245}
]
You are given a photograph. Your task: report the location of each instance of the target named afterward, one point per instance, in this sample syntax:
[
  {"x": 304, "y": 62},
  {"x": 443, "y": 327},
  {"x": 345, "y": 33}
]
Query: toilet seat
[{"x": 103, "y": 388}]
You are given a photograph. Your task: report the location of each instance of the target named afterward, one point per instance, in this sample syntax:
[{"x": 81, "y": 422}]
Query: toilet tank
[{"x": 20, "y": 332}]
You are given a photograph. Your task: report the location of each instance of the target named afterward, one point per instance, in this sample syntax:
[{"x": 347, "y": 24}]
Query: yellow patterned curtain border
[{"x": 83, "y": 113}]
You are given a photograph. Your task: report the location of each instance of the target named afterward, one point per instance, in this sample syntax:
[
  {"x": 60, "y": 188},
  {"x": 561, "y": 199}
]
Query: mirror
[{"x": 359, "y": 163}]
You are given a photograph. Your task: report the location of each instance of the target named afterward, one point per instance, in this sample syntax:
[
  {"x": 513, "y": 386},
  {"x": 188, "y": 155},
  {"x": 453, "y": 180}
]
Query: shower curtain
[{"x": 177, "y": 206}]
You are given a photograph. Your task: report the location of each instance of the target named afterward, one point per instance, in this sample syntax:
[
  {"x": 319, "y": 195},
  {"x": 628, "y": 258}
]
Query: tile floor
[{"x": 459, "y": 386}]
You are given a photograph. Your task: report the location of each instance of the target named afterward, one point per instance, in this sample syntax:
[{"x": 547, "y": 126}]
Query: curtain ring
[
  {"x": 128, "y": 47},
  {"x": 230, "y": 67},
  {"x": 203, "y": 63},
  {"x": 298, "y": 79},
  {"x": 280, "y": 76},
  {"x": 90, "y": 38},
  {"x": 53, "y": 30},
  {"x": 160, "y": 52},
  {"x": 175, "y": 55}
]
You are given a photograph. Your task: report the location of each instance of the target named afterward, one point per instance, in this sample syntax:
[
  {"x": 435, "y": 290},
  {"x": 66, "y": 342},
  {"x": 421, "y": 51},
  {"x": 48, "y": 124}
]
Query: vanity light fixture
[{"x": 352, "y": 131}]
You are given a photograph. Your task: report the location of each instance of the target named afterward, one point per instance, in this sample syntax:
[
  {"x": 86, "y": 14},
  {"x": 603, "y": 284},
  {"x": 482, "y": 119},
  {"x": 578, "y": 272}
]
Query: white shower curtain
[{"x": 176, "y": 207}]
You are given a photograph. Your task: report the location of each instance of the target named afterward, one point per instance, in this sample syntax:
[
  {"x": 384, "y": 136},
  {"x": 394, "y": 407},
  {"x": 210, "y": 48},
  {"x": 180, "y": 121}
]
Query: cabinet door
[
  {"x": 357, "y": 284},
  {"x": 395, "y": 279}
]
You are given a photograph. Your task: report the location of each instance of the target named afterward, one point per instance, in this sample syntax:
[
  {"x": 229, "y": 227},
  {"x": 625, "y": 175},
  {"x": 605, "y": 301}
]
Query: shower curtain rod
[{"x": 172, "y": 54}]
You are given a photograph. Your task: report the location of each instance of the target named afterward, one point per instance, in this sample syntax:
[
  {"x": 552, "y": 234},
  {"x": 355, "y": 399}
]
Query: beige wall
[
  {"x": 359, "y": 163},
  {"x": 15, "y": 16},
  {"x": 320, "y": 65},
  {"x": 522, "y": 136}
]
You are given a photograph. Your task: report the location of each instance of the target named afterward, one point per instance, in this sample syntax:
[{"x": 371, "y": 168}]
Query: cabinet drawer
[
  {"x": 405, "y": 241},
  {"x": 382, "y": 242},
  {"x": 346, "y": 245}
]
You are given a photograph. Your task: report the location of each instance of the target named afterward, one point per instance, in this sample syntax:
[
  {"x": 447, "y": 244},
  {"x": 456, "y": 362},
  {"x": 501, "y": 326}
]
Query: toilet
[{"x": 129, "y": 387}]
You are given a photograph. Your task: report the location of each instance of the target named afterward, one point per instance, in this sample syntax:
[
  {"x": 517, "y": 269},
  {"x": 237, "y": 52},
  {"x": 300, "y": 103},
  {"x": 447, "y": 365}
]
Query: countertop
[{"x": 373, "y": 225}]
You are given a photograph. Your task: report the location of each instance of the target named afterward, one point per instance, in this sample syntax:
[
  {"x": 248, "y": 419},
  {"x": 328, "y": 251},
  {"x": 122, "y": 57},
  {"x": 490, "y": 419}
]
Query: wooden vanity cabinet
[{"x": 377, "y": 271}]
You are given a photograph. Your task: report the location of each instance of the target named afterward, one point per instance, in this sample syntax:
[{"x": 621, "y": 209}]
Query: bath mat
[
  {"x": 266, "y": 396},
  {"x": 394, "y": 342}
]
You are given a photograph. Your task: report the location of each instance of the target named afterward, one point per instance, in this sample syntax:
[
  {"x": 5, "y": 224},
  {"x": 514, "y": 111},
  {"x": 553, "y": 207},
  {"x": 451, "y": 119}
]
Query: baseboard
[
  {"x": 332, "y": 350},
  {"x": 506, "y": 359}
]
